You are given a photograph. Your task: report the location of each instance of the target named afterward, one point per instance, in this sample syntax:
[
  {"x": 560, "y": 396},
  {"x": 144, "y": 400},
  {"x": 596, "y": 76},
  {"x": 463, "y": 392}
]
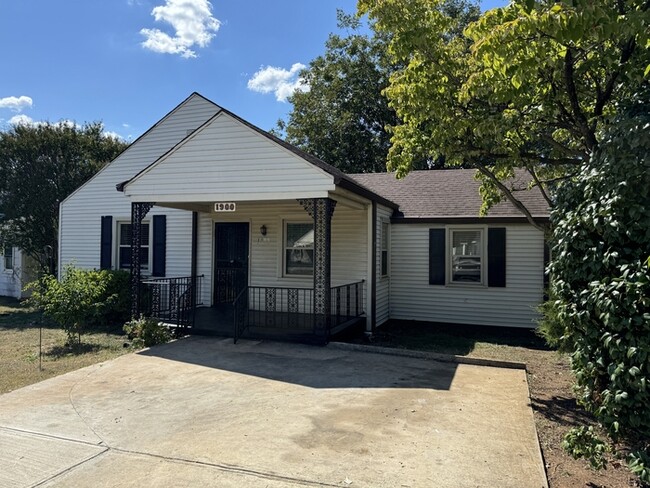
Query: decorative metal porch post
[
  {"x": 321, "y": 210},
  {"x": 138, "y": 212}
]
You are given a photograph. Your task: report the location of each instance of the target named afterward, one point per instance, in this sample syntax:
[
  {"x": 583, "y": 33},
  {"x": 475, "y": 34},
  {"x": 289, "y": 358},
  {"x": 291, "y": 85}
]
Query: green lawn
[{"x": 20, "y": 328}]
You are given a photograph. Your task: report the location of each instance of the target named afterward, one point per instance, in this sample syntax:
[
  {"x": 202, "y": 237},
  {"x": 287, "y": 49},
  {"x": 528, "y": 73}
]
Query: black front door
[{"x": 231, "y": 261}]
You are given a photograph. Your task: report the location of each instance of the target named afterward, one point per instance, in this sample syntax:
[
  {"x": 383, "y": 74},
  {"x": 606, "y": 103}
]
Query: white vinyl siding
[
  {"x": 349, "y": 245},
  {"x": 227, "y": 161},
  {"x": 383, "y": 282},
  {"x": 412, "y": 298},
  {"x": 80, "y": 214}
]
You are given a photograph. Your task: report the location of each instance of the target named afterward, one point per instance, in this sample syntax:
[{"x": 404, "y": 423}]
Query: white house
[
  {"x": 16, "y": 270},
  {"x": 206, "y": 208}
]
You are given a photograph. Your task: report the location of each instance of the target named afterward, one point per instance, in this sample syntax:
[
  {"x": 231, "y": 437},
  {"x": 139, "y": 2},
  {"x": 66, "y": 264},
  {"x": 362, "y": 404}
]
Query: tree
[
  {"x": 601, "y": 284},
  {"x": 529, "y": 85},
  {"x": 343, "y": 118},
  {"x": 40, "y": 165}
]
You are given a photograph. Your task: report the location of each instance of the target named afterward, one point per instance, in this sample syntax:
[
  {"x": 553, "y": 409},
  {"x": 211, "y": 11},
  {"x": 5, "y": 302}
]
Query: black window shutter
[
  {"x": 159, "y": 244},
  {"x": 106, "y": 243},
  {"x": 436, "y": 256},
  {"x": 497, "y": 257}
]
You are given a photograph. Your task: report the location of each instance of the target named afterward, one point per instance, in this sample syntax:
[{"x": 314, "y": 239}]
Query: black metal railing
[
  {"x": 346, "y": 303},
  {"x": 240, "y": 313},
  {"x": 290, "y": 311},
  {"x": 228, "y": 283},
  {"x": 171, "y": 300}
]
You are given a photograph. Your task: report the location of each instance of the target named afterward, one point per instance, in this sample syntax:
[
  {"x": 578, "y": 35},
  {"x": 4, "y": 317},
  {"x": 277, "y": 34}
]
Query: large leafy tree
[
  {"x": 40, "y": 165},
  {"x": 529, "y": 85},
  {"x": 601, "y": 283},
  {"x": 343, "y": 117}
]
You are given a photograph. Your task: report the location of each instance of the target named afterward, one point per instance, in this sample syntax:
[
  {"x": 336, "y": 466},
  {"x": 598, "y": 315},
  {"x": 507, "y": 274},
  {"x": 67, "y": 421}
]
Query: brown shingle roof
[{"x": 447, "y": 193}]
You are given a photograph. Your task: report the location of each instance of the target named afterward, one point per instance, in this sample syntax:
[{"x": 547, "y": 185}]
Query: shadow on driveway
[{"x": 311, "y": 366}]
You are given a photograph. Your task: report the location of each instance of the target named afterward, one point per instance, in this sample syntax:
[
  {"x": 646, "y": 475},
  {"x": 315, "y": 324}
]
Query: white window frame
[
  {"x": 385, "y": 233},
  {"x": 482, "y": 256},
  {"x": 285, "y": 248},
  {"x": 10, "y": 268},
  {"x": 118, "y": 231}
]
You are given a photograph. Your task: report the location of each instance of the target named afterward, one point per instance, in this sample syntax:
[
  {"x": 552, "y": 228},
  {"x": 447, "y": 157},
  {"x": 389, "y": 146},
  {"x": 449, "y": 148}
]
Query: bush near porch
[{"x": 83, "y": 298}]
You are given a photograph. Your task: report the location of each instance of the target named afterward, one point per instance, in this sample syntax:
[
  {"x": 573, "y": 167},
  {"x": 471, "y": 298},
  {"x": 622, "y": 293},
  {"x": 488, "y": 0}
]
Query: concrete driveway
[{"x": 204, "y": 412}]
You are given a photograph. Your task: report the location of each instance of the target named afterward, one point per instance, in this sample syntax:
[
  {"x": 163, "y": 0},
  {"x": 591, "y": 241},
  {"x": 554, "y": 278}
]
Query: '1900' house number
[{"x": 224, "y": 207}]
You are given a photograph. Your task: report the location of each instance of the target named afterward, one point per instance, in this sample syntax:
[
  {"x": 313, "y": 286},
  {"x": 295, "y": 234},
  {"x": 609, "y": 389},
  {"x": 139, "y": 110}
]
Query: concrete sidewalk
[{"x": 204, "y": 412}]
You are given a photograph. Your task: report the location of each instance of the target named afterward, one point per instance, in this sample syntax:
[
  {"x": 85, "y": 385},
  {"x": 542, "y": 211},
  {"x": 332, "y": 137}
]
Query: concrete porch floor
[{"x": 204, "y": 412}]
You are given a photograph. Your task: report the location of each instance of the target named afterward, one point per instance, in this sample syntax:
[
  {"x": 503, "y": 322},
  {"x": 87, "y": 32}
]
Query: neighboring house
[
  {"x": 207, "y": 208},
  {"x": 16, "y": 270}
]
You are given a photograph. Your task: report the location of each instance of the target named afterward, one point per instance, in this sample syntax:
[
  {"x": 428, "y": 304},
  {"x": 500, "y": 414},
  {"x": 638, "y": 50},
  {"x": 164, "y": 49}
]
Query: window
[
  {"x": 124, "y": 246},
  {"x": 466, "y": 256},
  {"x": 9, "y": 257},
  {"x": 384, "y": 248},
  {"x": 299, "y": 249}
]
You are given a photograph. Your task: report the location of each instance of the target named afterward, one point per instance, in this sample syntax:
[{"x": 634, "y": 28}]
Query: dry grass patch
[{"x": 19, "y": 347}]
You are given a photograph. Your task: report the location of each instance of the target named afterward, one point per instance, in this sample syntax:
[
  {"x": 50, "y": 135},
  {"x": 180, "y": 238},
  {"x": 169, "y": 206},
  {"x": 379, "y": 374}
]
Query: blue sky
[{"x": 128, "y": 62}]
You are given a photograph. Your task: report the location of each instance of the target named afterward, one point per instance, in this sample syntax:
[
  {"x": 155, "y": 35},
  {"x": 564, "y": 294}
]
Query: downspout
[
  {"x": 193, "y": 263},
  {"x": 373, "y": 272}
]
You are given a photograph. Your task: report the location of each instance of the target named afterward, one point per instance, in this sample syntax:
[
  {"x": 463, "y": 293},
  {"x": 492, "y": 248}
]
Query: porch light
[{"x": 263, "y": 230}]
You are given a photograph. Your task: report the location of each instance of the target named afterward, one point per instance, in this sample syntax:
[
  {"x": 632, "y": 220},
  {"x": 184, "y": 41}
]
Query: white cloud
[
  {"x": 192, "y": 22},
  {"x": 16, "y": 104},
  {"x": 280, "y": 81},
  {"x": 21, "y": 119},
  {"x": 112, "y": 135}
]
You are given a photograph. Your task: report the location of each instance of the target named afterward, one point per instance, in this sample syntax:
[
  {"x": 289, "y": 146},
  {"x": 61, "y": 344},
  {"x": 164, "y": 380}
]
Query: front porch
[
  {"x": 255, "y": 274},
  {"x": 256, "y": 312}
]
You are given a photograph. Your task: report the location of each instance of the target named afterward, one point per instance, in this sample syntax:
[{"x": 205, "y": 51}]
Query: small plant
[
  {"x": 639, "y": 463},
  {"x": 147, "y": 332},
  {"x": 583, "y": 442},
  {"x": 550, "y": 327}
]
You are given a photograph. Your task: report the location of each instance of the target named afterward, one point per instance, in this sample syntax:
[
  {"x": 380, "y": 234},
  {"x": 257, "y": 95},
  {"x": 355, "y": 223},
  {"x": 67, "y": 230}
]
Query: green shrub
[
  {"x": 549, "y": 325},
  {"x": 117, "y": 298},
  {"x": 601, "y": 282},
  {"x": 147, "y": 332},
  {"x": 83, "y": 298},
  {"x": 583, "y": 442}
]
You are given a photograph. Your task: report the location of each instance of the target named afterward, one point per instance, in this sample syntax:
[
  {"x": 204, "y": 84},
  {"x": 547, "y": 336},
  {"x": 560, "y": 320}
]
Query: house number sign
[{"x": 224, "y": 207}]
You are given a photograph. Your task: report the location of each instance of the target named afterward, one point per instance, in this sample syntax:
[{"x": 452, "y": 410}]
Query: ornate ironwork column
[
  {"x": 138, "y": 212},
  {"x": 321, "y": 210}
]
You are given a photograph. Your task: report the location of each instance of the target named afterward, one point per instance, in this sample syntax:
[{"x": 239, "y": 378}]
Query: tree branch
[
  {"x": 603, "y": 97},
  {"x": 539, "y": 184},
  {"x": 510, "y": 197},
  {"x": 572, "y": 92}
]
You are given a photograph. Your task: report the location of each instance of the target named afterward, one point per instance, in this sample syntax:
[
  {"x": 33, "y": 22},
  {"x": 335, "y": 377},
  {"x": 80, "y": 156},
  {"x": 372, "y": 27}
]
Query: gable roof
[
  {"x": 129, "y": 149},
  {"x": 449, "y": 193},
  {"x": 340, "y": 178}
]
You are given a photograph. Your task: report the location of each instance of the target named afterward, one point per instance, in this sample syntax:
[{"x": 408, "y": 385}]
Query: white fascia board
[{"x": 228, "y": 197}]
